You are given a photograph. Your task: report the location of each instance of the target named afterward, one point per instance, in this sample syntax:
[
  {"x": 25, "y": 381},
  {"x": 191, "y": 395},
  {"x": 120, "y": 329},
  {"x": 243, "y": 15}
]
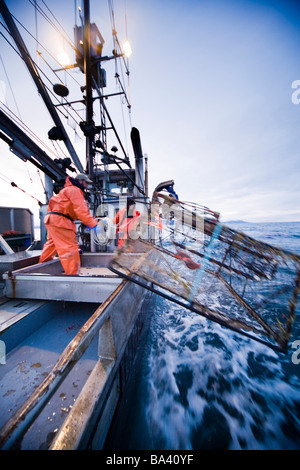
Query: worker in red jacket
[
  {"x": 63, "y": 209},
  {"x": 125, "y": 221}
]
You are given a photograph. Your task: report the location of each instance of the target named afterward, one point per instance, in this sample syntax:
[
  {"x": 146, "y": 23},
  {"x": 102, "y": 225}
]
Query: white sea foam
[{"x": 211, "y": 388}]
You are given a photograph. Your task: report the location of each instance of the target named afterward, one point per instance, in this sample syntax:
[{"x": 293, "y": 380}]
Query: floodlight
[{"x": 127, "y": 49}]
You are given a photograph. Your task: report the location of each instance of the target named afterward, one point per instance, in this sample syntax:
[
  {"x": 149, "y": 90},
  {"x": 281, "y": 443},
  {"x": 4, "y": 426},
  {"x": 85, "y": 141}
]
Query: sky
[{"x": 211, "y": 89}]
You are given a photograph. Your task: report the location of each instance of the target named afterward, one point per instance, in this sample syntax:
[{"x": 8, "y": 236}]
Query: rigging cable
[
  {"x": 42, "y": 73},
  {"x": 45, "y": 49},
  {"x": 66, "y": 101},
  {"x": 14, "y": 185},
  {"x": 121, "y": 87},
  {"x": 45, "y": 16},
  {"x": 36, "y": 32},
  {"x": 38, "y": 67},
  {"x": 18, "y": 111},
  {"x": 42, "y": 183},
  {"x": 40, "y": 70},
  {"x": 128, "y": 73},
  {"x": 10, "y": 87},
  {"x": 23, "y": 126},
  {"x": 59, "y": 24}
]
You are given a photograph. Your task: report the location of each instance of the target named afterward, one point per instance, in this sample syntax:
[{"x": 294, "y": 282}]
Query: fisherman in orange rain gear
[
  {"x": 124, "y": 221},
  {"x": 63, "y": 209}
]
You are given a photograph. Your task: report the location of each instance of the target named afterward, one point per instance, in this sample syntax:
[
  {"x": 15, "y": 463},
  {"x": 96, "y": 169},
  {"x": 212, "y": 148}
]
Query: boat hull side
[{"x": 88, "y": 422}]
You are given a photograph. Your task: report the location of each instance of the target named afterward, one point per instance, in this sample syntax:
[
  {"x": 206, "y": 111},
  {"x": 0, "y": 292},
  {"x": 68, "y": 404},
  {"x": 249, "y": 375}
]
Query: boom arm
[{"x": 25, "y": 148}]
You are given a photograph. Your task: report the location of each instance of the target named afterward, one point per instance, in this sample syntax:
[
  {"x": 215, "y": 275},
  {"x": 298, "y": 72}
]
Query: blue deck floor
[{"x": 34, "y": 345}]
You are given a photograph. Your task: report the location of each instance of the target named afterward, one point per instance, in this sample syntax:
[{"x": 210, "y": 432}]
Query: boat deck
[
  {"x": 65, "y": 360},
  {"x": 12, "y": 311},
  {"x": 47, "y": 281},
  {"x": 35, "y": 335}
]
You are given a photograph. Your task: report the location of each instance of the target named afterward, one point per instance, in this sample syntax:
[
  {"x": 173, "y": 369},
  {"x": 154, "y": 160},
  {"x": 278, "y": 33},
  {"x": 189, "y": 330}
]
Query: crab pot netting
[{"x": 222, "y": 274}]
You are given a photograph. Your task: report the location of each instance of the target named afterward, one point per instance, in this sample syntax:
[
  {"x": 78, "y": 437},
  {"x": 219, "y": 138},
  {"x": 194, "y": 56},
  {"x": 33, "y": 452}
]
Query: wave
[{"x": 209, "y": 388}]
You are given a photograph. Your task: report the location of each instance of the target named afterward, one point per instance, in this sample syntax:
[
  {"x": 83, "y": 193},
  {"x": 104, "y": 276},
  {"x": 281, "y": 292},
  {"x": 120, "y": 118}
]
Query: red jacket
[
  {"x": 123, "y": 222},
  {"x": 69, "y": 201}
]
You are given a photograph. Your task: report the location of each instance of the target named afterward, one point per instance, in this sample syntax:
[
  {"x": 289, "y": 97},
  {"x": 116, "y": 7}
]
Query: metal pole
[
  {"x": 88, "y": 84},
  {"x": 146, "y": 175},
  {"x": 139, "y": 162}
]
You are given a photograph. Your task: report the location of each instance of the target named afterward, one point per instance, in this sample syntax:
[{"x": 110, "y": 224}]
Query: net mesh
[{"x": 220, "y": 273}]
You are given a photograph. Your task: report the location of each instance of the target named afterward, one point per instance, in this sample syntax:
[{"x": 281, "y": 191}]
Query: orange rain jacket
[
  {"x": 61, "y": 230},
  {"x": 124, "y": 224}
]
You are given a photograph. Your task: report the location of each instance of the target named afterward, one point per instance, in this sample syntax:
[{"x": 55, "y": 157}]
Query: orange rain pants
[{"x": 63, "y": 242}]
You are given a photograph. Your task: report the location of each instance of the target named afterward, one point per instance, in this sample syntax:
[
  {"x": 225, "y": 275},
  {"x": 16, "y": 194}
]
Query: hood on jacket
[{"x": 73, "y": 182}]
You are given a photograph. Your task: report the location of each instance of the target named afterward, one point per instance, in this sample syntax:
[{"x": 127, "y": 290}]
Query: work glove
[{"x": 98, "y": 230}]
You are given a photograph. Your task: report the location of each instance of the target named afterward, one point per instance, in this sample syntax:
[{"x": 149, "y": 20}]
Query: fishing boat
[{"x": 68, "y": 342}]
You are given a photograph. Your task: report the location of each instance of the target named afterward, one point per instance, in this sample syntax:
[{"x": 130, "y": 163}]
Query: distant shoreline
[{"x": 261, "y": 222}]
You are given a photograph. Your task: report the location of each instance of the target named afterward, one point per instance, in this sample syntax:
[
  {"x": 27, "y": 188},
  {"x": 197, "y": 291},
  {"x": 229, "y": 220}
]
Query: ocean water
[{"x": 197, "y": 385}]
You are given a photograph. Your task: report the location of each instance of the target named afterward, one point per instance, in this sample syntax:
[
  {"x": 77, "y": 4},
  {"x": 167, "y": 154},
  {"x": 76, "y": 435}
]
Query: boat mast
[{"x": 88, "y": 88}]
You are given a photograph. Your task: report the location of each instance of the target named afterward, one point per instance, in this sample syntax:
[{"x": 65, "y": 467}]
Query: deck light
[
  {"x": 63, "y": 58},
  {"x": 127, "y": 49}
]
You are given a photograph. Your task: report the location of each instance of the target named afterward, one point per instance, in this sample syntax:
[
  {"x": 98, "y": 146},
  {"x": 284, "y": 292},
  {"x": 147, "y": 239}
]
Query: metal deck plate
[
  {"x": 47, "y": 281},
  {"x": 18, "y": 260}
]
